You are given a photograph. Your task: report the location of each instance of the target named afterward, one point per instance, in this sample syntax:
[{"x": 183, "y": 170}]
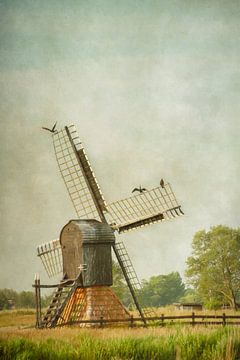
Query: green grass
[
  {"x": 21, "y": 341},
  {"x": 217, "y": 344}
]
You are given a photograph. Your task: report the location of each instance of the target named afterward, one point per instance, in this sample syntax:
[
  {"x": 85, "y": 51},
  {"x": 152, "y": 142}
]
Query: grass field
[{"x": 20, "y": 340}]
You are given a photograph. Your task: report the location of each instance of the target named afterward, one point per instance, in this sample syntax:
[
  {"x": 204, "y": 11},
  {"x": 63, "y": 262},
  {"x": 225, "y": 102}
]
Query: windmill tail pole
[{"x": 37, "y": 300}]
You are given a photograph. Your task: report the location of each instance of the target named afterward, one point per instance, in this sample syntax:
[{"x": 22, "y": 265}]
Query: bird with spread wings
[
  {"x": 53, "y": 130},
  {"x": 140, "y": 189}
]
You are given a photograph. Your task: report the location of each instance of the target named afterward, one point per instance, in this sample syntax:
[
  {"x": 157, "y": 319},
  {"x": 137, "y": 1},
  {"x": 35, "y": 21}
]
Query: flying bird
[
  {"x": 162, "y": 183},
  {"x": 53, "y": 130},
  {"x": 140, "y": 189}
]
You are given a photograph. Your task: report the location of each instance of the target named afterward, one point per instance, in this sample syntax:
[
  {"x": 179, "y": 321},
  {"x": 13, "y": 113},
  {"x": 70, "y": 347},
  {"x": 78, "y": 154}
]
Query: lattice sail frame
[
  {"x": 77, "y": 174},
  {"x": 148, "y": 207},
  {"x": 51, "y": 255},
  {"x": 139, "y": 210}
]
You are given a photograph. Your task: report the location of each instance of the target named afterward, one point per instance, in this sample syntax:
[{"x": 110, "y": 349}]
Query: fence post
[
  {"x": 193, "y": 318},
  {"x": 162, "y": 319},
  {"x": 36, "y": 301},
  {"x": 101, "y": 321},
  {"x": 224, "y": 319},
  {"x": 39, "y": 301},
  {"x": 131, "y": 321}
]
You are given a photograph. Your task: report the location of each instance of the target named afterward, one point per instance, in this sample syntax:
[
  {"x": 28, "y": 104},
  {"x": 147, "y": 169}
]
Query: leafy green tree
[
  {"x": 158, "y": 291},
  {"x": 26, "y": 299},
  {"x": 46, "y": 300},
  {"x": 8, "y": 297},
  {"x": 4, "y": 304},
  {"x": 213, "y": 269},
  {"x": 162, "y": 290},
  {"x": 190, "y": 296},
  {"x": 119, "y": 285}
]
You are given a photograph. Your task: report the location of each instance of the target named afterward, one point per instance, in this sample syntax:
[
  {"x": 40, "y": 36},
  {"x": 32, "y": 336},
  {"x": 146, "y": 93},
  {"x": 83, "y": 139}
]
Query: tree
[
  {"x": 213, "y": 269},
  {"x": 26, "y": 299},
  {"x": 4, "y": 304},
  {"x": 8, "y": 297},
  {"x": 119, "y": 285},
  {"x": 158, "y": 291},
  {"x": 162, "y": 289},
  {"x": 190, "y": 296}
]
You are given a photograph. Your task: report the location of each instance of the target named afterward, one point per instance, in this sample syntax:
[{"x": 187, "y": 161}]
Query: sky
[{"x": 153, "y": 89}]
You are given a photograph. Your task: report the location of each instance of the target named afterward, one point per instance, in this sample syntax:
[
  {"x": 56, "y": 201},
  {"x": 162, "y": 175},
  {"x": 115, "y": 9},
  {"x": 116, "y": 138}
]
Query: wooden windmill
[{"x": 83, "y": 252}]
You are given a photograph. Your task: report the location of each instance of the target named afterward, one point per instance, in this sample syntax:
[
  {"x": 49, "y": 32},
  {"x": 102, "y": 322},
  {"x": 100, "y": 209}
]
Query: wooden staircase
[{"x": 59, "y": 300}]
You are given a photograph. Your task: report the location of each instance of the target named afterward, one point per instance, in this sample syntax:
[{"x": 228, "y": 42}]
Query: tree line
[
  {"x": 10, "y": 299},
  {"x": 158, "y": 291},
  {"x": 212, "y": 277},
  {"x": 212, "y": 274}
]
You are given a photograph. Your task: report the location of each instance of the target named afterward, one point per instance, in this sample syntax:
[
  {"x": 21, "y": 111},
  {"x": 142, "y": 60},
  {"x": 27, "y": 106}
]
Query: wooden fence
[{"x": 191, "y": 319}]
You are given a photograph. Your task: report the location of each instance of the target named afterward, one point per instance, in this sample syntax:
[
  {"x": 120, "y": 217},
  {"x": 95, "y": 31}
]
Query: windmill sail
[
  {"x": 77, "y": 174},
  {"x": 131, "y": 278},
  {"x": 148, "y": 207},
  {"x": 144, "y": 209},
  {"x": 51, "y": 255}
]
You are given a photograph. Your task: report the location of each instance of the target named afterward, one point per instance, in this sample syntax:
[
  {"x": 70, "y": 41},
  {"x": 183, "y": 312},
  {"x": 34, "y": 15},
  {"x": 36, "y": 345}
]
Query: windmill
[{"x": 83, "y": 252}]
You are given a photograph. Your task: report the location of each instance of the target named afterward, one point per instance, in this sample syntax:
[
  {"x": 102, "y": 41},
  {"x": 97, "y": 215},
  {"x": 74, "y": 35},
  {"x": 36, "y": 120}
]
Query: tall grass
[
  {"x": 18, "y": 318},
  {"x": 218, "y": 344}
]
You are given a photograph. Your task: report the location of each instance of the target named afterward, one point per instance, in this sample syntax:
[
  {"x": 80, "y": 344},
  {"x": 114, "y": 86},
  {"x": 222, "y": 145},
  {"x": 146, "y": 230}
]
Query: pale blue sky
[{"x": 153, "y": 88}]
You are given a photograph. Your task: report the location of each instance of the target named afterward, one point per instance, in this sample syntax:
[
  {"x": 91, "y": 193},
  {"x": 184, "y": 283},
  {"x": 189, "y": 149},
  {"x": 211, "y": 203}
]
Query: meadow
[{"x": 20, "y": 340}]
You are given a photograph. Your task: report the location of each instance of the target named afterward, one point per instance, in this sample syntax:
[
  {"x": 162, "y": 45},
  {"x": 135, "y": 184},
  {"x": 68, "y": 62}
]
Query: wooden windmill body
[{"x": 83, "y": 254}]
